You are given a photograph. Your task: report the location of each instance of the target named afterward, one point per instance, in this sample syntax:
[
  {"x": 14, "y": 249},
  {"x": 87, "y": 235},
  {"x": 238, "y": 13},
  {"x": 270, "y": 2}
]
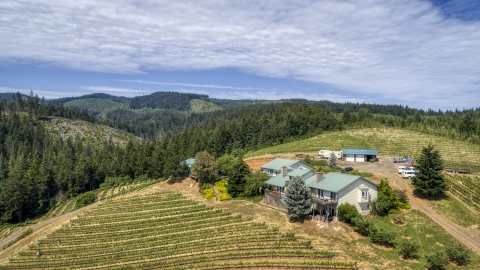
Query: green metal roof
[
  {"x": 189, "y": 161},
  {"x": 359, "y": 152},
  {"x": 279, "y": 181},
  {"x": 278, "y": 163},
  {"x": 298, "y": 172},
  {"x": 333, "y": 181}
]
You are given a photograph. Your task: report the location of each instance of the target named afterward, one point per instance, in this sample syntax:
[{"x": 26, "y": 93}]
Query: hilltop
[
  {"x": 388, "y": 141},
  {"x": 87, "y": 131}
]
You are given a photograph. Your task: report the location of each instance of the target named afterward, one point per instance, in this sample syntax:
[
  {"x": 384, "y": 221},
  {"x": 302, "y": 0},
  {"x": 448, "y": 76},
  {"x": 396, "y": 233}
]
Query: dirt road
[
  {"x": 39, "y": 231},
  {"x": 386, "y": 167}
]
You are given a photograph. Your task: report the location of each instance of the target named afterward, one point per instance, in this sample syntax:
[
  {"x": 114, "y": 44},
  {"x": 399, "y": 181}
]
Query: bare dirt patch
[
  {"x": 255, "y": 164},
  {"x": 429, "y": 235}
]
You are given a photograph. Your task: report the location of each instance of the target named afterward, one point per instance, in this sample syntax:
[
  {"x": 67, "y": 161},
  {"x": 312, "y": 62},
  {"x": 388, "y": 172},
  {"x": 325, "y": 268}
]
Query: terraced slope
[
  {"x": 388, "y": 142},
  {"x": 164, "y": 230}
]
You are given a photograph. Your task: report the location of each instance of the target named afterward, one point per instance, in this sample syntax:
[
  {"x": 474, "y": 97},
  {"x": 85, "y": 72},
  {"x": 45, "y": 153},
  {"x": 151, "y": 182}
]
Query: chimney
[
  {"x": 284, "y": 171},
  {"x": 319, "y": 176}
]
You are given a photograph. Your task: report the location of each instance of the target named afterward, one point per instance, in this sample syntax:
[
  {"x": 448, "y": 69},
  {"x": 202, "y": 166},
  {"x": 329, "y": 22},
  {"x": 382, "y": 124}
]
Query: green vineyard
[
  {"x": 165, "y": 230},
  {"x": 388, "y": 142},
  {"x": 101, "y": 193},
  {"x": 465, "y": 188}
]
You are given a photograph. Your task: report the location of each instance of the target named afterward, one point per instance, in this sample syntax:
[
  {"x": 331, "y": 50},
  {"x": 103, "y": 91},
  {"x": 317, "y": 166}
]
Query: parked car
[
  {"x": 346, "y": 169},
  {"x": 408, "y": 173},
  {"x": 398, "y": 160}
]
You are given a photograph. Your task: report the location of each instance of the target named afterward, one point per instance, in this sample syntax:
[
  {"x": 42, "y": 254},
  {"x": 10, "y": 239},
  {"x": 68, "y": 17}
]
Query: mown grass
[
  {"x": 388, "y": 142},
  {"x": 450, "y": 207},
  {"x": 419, "y": 228}
]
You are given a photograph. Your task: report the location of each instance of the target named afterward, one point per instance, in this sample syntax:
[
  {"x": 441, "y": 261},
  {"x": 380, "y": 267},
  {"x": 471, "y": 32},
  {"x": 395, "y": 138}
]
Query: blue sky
[{"x": 423, "y": 54}]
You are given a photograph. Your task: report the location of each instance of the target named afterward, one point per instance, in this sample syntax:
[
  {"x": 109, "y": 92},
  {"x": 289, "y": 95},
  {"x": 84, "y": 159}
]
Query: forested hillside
[
  {"x": 37, "y": 166},
  {"x": 96, "y": 96},
  {"x": 95, "y": 106}
]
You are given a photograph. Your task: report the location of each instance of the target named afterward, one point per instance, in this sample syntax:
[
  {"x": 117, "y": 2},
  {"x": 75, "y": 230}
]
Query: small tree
[
  {"x": 255, "y": 184},
  {"x": 408, "y": 248},
  {"x": 346, "y": 212},
  {"x": 363, "y": 225},
  {"x": 437, "y": 260},
  {"x": 428, "y": 179},
  {"x": 226, "y": 164},
  {"x": 385, "y": 201},
  {"x": 297, "y": 199},
  {"x": 332, "y": 161},
  {"x": 383, "y": 237},
  {"x": 458, "y": 254},
  {"x": 236, "y": 179},
  {"x": 205, "y": 168}
]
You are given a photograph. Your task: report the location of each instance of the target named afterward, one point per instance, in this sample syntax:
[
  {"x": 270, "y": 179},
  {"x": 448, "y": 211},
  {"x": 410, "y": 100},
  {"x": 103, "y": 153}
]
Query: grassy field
[
  {"x": 389, "y": 142},
  {"x": 419, "y": 228},
  {"x": 164, "y": 230}
]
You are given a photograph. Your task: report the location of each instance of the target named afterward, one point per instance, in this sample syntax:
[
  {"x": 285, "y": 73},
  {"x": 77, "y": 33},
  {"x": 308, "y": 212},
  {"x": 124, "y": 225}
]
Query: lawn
[{"x": 419, "y": 228}]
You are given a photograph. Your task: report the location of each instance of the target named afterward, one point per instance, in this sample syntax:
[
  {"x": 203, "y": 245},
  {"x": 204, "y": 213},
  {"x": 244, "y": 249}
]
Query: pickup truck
[{"x": 398, "y": 160}]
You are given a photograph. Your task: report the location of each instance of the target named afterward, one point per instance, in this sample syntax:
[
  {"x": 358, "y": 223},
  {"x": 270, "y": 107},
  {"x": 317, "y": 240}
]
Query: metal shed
[{"x": 359, "y": 155}]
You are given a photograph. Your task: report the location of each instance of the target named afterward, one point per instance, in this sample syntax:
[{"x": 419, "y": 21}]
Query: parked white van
[
  {"x": 408, "y": 173},
  {"x": 402, "y": 168}
]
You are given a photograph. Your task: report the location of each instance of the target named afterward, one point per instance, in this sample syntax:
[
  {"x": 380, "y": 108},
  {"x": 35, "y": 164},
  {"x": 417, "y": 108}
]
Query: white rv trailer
[{"x": 325, "y": 154}]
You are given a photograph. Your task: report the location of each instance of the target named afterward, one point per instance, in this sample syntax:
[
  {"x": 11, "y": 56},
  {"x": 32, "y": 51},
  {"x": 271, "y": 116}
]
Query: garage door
[
  {"x": 350, "y": 158},
  {"x": 360, "y": 158}
]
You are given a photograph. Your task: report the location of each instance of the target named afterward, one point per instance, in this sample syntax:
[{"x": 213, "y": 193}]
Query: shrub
[
  {"x": 346, "y": 212},
  {"x": 225, "y": 196},
  {"x": 394, "y": 211},
  {"x": 458, "y": 254},
  {"x": 401, "y": 196},
  {"x": 408, "y": 248},
  {"x": 209, "y": 193},
  {"x": 222, "y": 185},
  {"x": 363, "y": 225},
  {"x": 437, "y": 260},
  {"x": 383, "y": 237},
  {"x": 85, "y": 199},
  {"x": 402, "y": 205},
  {"x": 399, "y": 219}
]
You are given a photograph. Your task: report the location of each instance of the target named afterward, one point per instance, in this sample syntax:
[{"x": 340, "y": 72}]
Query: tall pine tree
[
  {"x": 297, "y": 199},
  {"x": 428, "y": 179}
]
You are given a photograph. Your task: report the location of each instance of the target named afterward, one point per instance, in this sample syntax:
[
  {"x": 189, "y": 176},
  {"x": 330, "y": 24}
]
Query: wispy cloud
[
  {"x": 115, "y": 89},
  {"x": 195, "y": 85},
  {"x": 404, "y": 51}
]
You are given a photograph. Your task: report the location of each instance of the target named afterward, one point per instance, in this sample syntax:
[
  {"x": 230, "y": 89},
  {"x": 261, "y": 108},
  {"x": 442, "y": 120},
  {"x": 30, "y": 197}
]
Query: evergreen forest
[{"x": 37, "y": 167}]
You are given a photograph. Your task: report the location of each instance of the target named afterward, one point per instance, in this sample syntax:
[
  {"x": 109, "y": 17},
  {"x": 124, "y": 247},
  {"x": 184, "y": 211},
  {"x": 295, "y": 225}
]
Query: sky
[{"x": 420, "y": 53}]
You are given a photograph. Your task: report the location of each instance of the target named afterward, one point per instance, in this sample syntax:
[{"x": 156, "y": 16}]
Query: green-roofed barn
[{"x": 359, "y": 155}]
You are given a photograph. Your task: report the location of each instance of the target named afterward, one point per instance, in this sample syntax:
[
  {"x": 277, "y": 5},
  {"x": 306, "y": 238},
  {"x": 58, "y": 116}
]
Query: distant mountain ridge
[
  {"x": 8, "y": 96},
  {"x": 119, "y": 99}
]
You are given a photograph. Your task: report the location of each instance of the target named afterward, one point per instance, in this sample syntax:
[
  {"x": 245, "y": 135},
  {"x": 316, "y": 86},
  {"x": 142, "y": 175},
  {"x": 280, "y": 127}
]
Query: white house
[{"x": 327, "y": 191}]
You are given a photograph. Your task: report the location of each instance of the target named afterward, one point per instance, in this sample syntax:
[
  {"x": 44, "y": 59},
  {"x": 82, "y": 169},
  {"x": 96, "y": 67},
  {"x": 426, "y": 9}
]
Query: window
[
  {"x": 280, "y": 189},
  {"x": 364, "y": 195},
  {"x": 320, "y": 193},
  {"x": 334, "y": 196}
]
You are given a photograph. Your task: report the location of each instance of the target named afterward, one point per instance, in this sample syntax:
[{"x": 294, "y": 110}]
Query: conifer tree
[
  {"x": 332, "y": 161},
  {"x": 428, "y": 179},
  {"x": 236, "y": 181},
  {"x": 297, "y": 199}
]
